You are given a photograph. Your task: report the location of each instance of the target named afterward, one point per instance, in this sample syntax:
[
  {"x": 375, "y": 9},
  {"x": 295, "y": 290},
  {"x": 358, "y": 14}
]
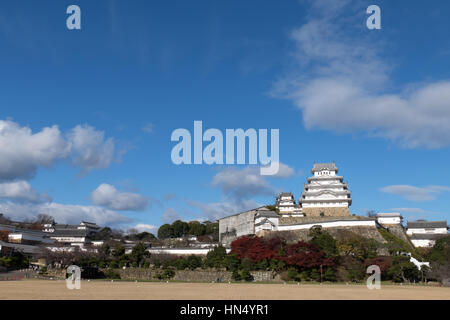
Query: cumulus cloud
[
  {"x": 23, "y": 151},
  {"x": 284, "y": 171},
  {"x": 341, "y": 78},
  {"x": 90, "y": 149},
  {"x": 142, "y": 227},
  {"x": 247, "y": 182},
  {"x": 170, "y": 215},
  {"x": 238, "y": 187},
  {"x": 21, "y": 191},
  {"x": 413, "y": 193},
  {"x": 242, "y": 183},
  {"x": 63, "y": 213},
  {"x": 216, "y": 210},
  {"x": 108, "y": 196}
]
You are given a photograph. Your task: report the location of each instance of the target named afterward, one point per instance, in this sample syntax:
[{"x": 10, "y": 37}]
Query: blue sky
[{"x": 87, "y": 115}]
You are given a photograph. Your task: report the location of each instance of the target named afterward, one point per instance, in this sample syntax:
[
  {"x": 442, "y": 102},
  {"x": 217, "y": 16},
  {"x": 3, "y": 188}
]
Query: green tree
[
  {"x": 212, "y": 228},
  {"x": 262, "y": 265},
  {"x": 440, "y": 253},
  {"x": 180, "y": 228},
  {"x": 323, "y": 240},
  {"x": 329, "y": 275},
  {"x": 156, "y": 263},
  {"x": 196, "y": 228},
  {"x": 231, "y": 262},
  {"x": 352, "y": 244},
  {"x": 194, "y": 262},
  {"x": 402, "y": 270},
  {"x": 181, "y": 264},
  {"x": 304, "y": 275},
  {"x": 142, "y": 236},
  {"x": 292, "y": 274},
  {"x": 236, "y": 275},
  {"x": 139, "y": 253},
  {"x": 247, "y": 264},
  {"x": 118, "y": 250},
  {"x": 215, "y": 257},
  {"x": 314, "y": 275},
  {"x": 165, "y": 231},
  {"x": 246, "y": 275}
]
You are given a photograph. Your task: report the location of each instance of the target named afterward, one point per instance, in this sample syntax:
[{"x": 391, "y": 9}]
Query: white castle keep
[{"x": 325, "y": 194}]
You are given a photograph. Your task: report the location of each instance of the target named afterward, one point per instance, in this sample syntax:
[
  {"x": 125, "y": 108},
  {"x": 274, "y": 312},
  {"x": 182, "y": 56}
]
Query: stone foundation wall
[
  {"x": 327, "y": 212},
  {"x": 55, "y": 273},
  {"x": 299, "y": 220},
  {"x": 202, "y": 276},
  {"x": 399, "y": 232},
  {"x": 297, "y": 235},
  {"x": 191, "y": 275}
]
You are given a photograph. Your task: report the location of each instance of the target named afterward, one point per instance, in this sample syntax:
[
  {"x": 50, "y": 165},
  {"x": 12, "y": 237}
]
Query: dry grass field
[{"x": 101, "y": 290}]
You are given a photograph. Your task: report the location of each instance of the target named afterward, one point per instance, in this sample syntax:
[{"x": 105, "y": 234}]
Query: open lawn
[{"x": 100, "y": 290}]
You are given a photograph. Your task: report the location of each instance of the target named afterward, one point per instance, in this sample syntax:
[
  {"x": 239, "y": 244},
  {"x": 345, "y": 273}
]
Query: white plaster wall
[
  {"x": 325, "y": 204},
  {"x": 412, "y": 231},
  {"x": 179, "y": 251},
  {"x": 332, "y": 224},
  {"x": 423, "y": 243},
  {"x": 389, "y": 220}
]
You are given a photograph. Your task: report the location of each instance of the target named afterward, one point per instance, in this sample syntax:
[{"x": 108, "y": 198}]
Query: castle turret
[{"x": 287, "y": 206}]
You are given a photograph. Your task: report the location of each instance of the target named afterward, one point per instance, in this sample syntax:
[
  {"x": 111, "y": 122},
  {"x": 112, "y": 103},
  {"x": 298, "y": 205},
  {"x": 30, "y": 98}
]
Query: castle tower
[
  {"x": 285, "y": 203},
  {"x": 325, "y": 194}
]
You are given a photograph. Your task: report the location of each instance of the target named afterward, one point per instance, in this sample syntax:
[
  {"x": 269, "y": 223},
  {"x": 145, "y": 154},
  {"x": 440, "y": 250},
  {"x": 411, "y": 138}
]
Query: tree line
[{"x": 193, "y": 228}]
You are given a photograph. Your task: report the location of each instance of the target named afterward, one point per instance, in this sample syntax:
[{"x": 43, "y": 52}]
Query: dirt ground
[{"x": 100, "y": 290}]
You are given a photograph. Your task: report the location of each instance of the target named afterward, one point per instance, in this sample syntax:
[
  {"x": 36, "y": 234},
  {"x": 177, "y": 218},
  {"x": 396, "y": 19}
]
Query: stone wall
[
  {"x": 297, "y": 235},
  {"x": 191, "y": 275},
  {"x": 304, "y": 220},
  {"x": 399, "y": 232},
  {"x": 327, "y": 212},
  {"x": 55, "y": 273}
]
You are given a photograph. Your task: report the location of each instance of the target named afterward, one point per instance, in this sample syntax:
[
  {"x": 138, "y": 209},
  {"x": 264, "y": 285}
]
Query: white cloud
[
  {"x": 247, "y": 182},
  {"x": 170, "y": 215},
  {"x": 340, "y": 85},
  {"x": 142, "y": 227},
  {"x": 23, "y": 151},
  {"x": 108, "y": 196},
  {"x": 21, "y": 191},
  {"x": 413, "y": 193},
  {"x": 63, "y": 213},
  {"x": 284, "y": 172},
  {"x": 216, "y": 210},
  {"x": 242, "y": 183},
  {"x": 238, "y": 187},
  {"x": 90, "y": 149}
]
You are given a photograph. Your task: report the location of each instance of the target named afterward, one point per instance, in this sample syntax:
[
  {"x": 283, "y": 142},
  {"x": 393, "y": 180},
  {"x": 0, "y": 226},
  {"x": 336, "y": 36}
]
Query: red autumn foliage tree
[
  {"x": 4, "y": 235},
  {"x": 306, "y": 256},
  {"x": 256, "y": 248},
  {"x": 302, "y": 255},
  {"x": 383, "y": 262}
]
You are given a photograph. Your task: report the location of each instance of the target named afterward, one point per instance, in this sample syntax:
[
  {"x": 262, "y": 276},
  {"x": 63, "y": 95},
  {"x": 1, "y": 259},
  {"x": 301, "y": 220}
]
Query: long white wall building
[{"x": 425, "y": 233}]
